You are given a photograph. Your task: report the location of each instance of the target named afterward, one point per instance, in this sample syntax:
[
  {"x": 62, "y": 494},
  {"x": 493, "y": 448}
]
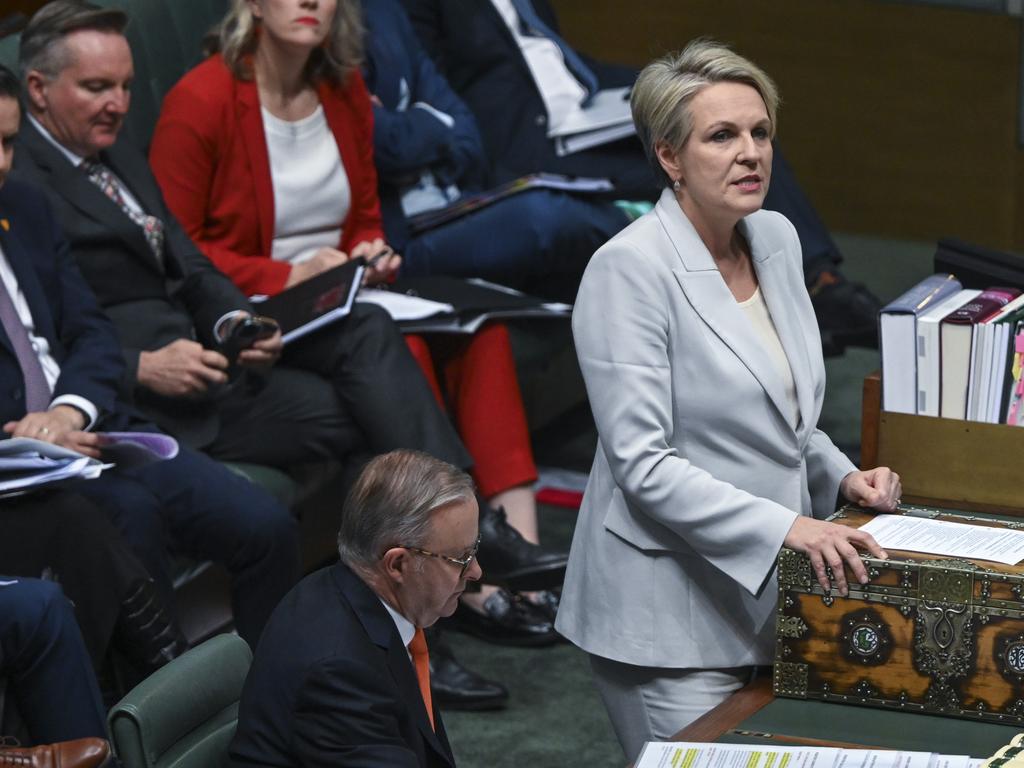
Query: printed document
[{"x": 940, "y": 537}]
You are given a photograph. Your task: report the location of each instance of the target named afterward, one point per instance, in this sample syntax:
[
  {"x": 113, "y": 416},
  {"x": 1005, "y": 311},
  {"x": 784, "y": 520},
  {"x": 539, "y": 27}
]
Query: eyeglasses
[{"x": 462, "y": 562}]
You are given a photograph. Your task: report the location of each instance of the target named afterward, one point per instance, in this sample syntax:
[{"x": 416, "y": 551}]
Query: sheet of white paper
[
  {"x": 403, "y": 307},
  {"x": 941, "y": 537}
]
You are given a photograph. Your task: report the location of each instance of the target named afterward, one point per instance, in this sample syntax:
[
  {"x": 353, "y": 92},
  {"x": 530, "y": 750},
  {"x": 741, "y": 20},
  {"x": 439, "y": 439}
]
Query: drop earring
[{"x": 676, "y": 186}]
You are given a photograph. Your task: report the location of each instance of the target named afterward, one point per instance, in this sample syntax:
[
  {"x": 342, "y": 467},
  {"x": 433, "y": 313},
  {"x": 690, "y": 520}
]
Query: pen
[{"x": 386, "y": 251}]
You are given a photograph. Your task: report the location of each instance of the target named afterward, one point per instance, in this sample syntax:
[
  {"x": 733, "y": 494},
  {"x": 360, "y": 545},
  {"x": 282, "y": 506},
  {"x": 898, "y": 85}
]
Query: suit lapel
[
  {"x": 711, "y": 298},
  {"x": 146, "y": 195},
  {"x": 382, "y": 631},
  {"x": 777, "y": 290},
  {"x": 73, "y": 185},
  {"x": 20, "y": 261},
  {"x": 254, "y": 138}
]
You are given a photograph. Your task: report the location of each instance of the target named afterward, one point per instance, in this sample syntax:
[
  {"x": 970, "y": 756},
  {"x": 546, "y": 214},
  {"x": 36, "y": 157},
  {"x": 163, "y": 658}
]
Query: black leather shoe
[
  {"x": 507, "y": 620},
  {"x": 509, "y": 560},
  {"x": 546, "y": 602},
  {"x": 452, "y": 686}
]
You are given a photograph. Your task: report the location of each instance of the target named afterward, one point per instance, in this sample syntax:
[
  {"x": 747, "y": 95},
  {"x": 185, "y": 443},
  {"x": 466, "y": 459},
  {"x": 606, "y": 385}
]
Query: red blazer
[{"x": 209, "y": 154}]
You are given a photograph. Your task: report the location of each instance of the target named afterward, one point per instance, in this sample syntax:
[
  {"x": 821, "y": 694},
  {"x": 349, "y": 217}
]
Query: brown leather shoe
[{"x": 80, "y": 753}]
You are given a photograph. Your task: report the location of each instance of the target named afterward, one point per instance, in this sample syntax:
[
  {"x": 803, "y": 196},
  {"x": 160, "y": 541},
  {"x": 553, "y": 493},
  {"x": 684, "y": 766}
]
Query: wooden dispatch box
[{"x": 926, "y": 634}]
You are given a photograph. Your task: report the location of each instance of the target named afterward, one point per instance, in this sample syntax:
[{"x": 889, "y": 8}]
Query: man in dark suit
[
  {"x": 340, "y": 676},
  {"x": 59, "y": 371},
  {"x": 508, "y": 61}
]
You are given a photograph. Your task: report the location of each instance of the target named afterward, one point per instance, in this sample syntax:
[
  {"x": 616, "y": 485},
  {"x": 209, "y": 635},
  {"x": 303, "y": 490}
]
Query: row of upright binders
[{"x": 954, "y": 352}]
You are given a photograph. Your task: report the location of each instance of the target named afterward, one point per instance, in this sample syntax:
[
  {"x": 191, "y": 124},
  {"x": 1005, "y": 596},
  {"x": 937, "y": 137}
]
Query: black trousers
[{"x": 352, "y": 385}]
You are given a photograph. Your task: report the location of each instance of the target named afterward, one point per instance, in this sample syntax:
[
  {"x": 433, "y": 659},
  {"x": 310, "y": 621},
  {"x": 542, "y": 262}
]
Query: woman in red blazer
[{"x": 292, "y": 65}]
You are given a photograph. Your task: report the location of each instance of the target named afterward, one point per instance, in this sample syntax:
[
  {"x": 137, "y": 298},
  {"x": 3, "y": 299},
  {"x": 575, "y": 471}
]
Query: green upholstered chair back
[{"x": 184, "y": 714}]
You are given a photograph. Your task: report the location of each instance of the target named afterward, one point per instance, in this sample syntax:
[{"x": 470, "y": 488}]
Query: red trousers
[{"x": 483, "y": 396}]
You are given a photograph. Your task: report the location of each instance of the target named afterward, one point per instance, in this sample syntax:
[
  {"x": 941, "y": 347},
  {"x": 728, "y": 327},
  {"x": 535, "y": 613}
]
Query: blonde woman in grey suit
[{"x": 703, "y": 365}]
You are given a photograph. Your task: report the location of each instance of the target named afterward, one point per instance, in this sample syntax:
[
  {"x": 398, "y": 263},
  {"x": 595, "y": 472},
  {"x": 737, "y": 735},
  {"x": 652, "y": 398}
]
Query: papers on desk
[
  {"x": 657, "y": 754},
  {"x": 27, "y": 464},
  {"x": 939, "y": 537},
  {"x": 605, "y": 119}
]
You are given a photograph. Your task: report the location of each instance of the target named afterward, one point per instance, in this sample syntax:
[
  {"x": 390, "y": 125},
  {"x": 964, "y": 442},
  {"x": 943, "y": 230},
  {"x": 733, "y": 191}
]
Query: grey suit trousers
[{"x": 652, "y": 703}]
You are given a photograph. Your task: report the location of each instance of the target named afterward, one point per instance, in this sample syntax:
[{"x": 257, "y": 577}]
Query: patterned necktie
[
  {"x": 104, "y": 178},
  {"x": 37, "y": 390},
  {"x": 576, "y": 65},
  {"x": 421, "y": 660}
]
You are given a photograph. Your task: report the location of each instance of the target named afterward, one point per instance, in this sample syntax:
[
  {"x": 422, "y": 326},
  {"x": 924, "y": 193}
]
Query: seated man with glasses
[{"x": 341, "y": 675}]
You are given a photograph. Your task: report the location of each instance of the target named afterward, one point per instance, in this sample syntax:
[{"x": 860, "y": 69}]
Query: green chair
[{"x": 184, "y": 714}]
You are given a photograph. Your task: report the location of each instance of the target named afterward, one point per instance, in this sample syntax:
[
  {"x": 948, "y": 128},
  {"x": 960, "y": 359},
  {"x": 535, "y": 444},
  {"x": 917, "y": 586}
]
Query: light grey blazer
[{"x": 698, "y": 475}]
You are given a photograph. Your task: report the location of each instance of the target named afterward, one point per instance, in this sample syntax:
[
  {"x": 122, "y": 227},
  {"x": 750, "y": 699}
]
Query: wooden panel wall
[{"x": 899, "y": 119}]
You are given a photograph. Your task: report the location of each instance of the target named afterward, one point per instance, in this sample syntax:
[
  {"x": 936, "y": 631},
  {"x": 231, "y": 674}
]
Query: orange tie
[{"x": 421, "y": 660}]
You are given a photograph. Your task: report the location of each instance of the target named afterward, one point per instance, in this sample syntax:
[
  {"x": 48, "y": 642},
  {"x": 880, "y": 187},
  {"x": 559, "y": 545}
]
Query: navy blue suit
[
  {"x": 205, "y": 510},
  {"x": 538, "y": 240},
  {"x": 44, "y": 659},
  {"x": 332, "y": 684},
  {"x": 63, "y": 308}
]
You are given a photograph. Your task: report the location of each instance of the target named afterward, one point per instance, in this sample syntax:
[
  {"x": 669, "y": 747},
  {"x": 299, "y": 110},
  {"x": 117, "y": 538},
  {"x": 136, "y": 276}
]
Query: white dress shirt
[
  {"x": 51, "y": 369},
  {"x": 406, "y": 629},
  {"x": 77, "y": 160},
  {"x": 561, "y": 92}
]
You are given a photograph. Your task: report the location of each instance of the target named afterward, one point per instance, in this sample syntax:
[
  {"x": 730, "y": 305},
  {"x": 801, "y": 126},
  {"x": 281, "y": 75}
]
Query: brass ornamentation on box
[{"x": 926, "y": 634}]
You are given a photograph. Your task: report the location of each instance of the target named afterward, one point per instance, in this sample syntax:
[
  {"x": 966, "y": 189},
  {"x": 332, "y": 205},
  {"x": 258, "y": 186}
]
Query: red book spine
[{"x": 980, "y": 309}]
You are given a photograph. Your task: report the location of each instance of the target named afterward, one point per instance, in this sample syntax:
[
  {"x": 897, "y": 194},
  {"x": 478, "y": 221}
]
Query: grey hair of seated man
[{"x": 391, "y": 504}]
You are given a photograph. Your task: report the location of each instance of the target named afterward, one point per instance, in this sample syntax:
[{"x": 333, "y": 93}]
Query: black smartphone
[{"x": 243, "y": 332}]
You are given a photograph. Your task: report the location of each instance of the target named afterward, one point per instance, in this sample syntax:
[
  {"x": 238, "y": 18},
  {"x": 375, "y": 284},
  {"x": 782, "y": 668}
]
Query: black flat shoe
[
  {"x": 509, "y": 560},
  {"x": 452, "y": 686},
  {"x": 507, "y": 620}
]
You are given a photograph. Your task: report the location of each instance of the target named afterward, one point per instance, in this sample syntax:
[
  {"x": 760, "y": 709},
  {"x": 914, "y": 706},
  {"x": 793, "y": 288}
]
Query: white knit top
[
  {"x": 757, "y": 313},
  {"x": 311, "y": 190}
]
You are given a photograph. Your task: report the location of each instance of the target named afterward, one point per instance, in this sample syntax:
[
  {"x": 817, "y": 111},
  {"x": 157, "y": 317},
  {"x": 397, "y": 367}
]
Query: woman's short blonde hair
[
  {"x": 663, "y": 92},
  {"x": 340, "y": 54}
]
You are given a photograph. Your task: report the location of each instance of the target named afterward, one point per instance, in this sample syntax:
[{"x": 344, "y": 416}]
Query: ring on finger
[{"x": 44, "y": 431}]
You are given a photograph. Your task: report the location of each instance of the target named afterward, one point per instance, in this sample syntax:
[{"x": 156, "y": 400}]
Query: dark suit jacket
[
  {"x": 81, "y": 338},
  {"x": 209, "y": 153},
  {"x": 475, "y": 50},
  {"x": 408, "y": 140},
  {"x": 332, "y": 685},
  {"x": 151, "y": 303}
]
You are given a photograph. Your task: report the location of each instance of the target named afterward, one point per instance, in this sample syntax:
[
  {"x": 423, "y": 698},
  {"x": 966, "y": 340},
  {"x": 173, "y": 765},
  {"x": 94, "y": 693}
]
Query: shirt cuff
[
  {"x": 447, "y": 120},
  {"x": 81, "y": 404}
]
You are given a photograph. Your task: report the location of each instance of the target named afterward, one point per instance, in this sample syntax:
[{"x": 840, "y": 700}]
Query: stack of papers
[
  {"x": 605, "y": 119},
  {"x": 27, "y": 464},
  {"x": 658, "y": 754}
]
